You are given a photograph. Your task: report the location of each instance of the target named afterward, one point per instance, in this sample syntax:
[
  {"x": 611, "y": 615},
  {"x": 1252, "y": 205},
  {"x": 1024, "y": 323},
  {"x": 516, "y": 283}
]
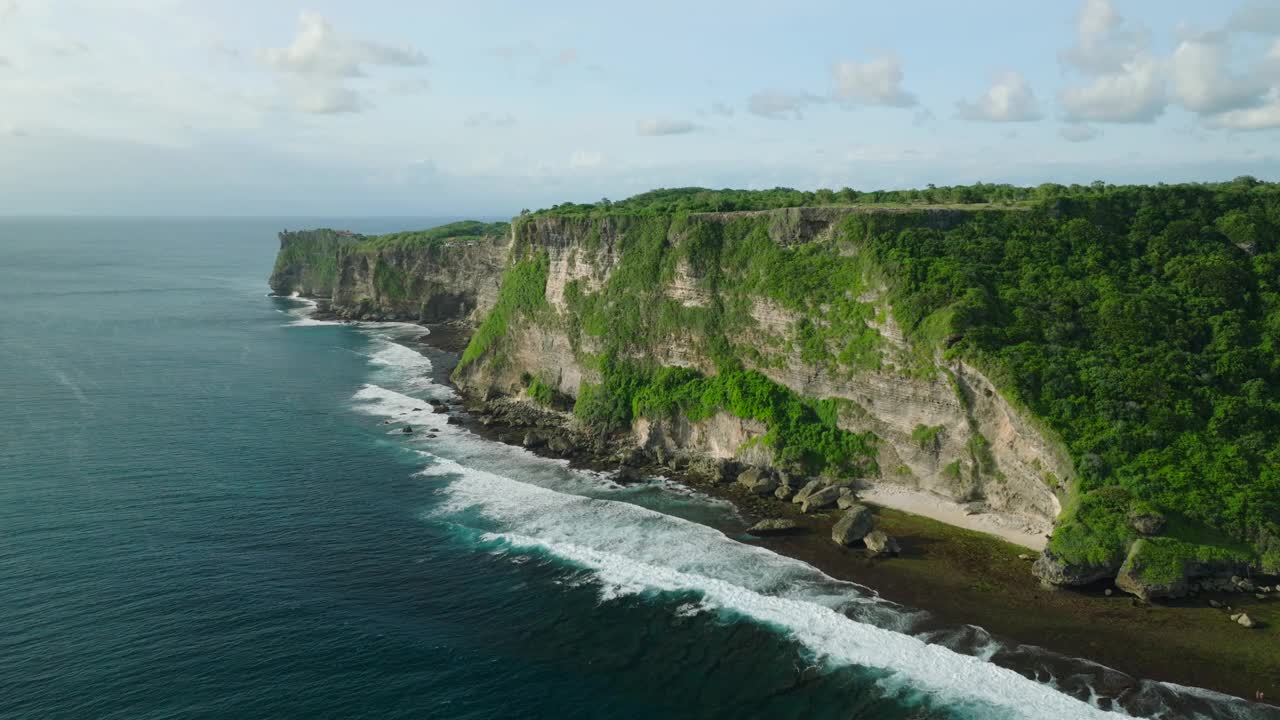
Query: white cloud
[
  {"x": 778, "y": 104},
  {"x": 1009, "y": 99},
  {"x": 1134, "y": 93},
  {"x": 1124, "y": 82},
  {"x": 659, "y": 126},
  {"x": 1204, "y": 84},
  {"x": 877, "y": 82},
  {"x": 318, "y": 49},
  {"x": 316, "y": 65},
  {"x": 583, "y": 159},
  {"x": 1103, "y": 42},
  {"x": 1266, "y": 117},
  {"x": 1079, "y": 132}
]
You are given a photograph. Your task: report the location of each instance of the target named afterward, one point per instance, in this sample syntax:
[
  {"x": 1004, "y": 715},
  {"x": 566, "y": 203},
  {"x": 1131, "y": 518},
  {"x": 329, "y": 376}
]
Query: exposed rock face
[
  {"x": 979, "y": 448},
  {"x": 803, "y": 493},
  {"x": 305, "y": 263},
  {"x": 853, "y": 526},
  {"x": 821, "y": 500},
  {"x": 450, "y": 281},
  {"x": 1015, "y": 473},
  {"x": 760, "y": 482}
]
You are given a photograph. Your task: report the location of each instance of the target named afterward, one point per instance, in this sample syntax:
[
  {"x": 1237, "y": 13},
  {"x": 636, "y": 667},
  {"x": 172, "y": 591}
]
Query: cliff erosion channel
[{"x": 773, "y": 357}]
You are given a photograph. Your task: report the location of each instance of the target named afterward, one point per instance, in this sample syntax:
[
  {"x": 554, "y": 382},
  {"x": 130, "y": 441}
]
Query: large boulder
[
  {"x": 1244, "y": 620},
  {"x": 820, "y": 500},
  {"x": 803, "y": 493},
  {"x": 1149, "y": 576},
  {"x": 774, "y": 526},
  {"x": 759, "y": 482},
  {"x": 853, "y": 526},
  {"x": 879, "y": 543}
]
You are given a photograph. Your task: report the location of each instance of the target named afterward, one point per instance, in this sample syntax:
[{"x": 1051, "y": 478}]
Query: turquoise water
[{"x": 207, "y": 510}]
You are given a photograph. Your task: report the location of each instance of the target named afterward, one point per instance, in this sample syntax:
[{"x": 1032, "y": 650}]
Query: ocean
[{"x": 208, "y": 510}]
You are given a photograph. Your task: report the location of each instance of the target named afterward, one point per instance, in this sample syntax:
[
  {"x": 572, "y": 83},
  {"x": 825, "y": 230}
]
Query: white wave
[
  {"x": 633, "y": 550},
  {"x": 408, "y": 367},
  {"x": 380, "y": 402}
]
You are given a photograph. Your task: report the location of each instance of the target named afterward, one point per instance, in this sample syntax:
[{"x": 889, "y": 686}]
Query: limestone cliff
[
  {"x": 941, "y": 425},
  {"x": 869, "y": 344},
  {"x": 454, "y": 279},
  {"x": 446, "y": 274},
  {"x": 307, "y": 261}
]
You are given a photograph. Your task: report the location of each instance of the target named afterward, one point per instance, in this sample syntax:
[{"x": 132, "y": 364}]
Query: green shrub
[{"x": 523, "y": 292}]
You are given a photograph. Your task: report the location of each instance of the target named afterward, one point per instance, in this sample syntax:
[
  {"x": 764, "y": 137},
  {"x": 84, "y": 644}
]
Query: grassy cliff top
[
  {"x": 956, "y": 197},
  {"x": 434, "y": 236}
]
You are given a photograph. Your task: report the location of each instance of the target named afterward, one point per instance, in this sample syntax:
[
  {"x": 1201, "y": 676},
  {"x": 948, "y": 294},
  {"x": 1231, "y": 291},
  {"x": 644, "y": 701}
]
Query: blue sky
[{"x": 483, "y": 108}]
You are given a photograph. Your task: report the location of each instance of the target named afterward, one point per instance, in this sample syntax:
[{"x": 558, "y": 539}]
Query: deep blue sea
[{"x": 207, "y": 510}]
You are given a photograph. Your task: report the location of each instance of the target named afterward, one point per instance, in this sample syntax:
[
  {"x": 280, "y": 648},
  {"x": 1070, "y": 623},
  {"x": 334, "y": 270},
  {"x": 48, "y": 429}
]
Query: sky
[{"x": 277, "y": 107}]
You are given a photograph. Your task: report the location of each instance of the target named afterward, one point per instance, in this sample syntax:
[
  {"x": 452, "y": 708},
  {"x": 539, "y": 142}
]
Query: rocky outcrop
[
  {"x": 1053, "y": 570},
  {"x": 758, "y": 482},
  {"x": 879, "y": 544},
  {"x": 1140, "y": 576},
  {"x": 774, "y": 526},
  {"x": 853, "y": 525}
]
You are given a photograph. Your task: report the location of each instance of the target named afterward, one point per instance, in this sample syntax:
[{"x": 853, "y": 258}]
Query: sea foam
[{"x": 633, "y": 550}]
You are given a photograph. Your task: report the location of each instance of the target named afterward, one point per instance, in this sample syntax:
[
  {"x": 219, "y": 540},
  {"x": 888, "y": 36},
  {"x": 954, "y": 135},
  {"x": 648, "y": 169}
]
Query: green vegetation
[
  {"x": 1141, "y": 325},
  {"x": 926, "y": 437},
  {"x": 1093, "y": 529},
  {"x": 435, "y": 235},
  {"x": 390, "y": 281},
  {"x": 523, "y": 293},
  {"x": 802, "y": 432},
  {"x": 694, "y": 199},
  {"x": 540, "y": 392},
  {"x": 308, "y": 260}
]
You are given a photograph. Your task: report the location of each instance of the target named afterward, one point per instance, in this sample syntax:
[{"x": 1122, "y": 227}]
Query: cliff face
[
  {"x": 940, "y": 425},
  {"x": 882, "y": 345},
  {"x": 307, "y": 261},
  {"x": 451, "y": 280}
]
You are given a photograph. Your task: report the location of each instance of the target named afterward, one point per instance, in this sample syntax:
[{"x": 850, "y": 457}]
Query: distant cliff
[
  {"x": 307, "y": 261},
  {"x": 1098, "y": 363},
  {"x": 439, "y": 275}
]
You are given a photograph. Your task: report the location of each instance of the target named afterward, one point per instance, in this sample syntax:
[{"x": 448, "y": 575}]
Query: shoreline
[
  {"x": 926, "y": 504},
  {"x": 967, "y": 569}
]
